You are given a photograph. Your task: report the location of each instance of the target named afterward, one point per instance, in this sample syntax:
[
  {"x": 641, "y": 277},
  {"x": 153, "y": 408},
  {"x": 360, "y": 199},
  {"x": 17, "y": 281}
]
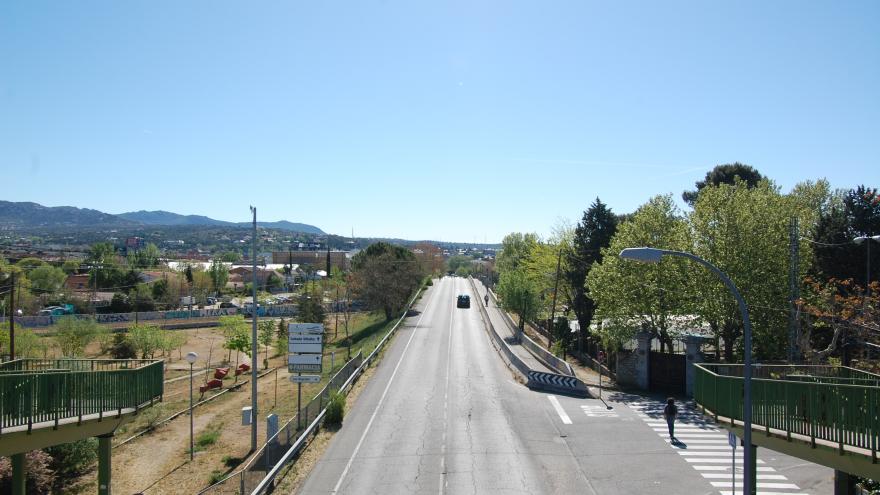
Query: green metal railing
[
  {"x": 833, "y": 403},
  {"x": 36, "y": 390}
]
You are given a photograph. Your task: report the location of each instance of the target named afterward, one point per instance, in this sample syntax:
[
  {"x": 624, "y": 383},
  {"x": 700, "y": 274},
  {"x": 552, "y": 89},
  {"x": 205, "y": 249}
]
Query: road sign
[
  {"x": 305, "y": 348},
  {"x": 304, "y": 363},
  {"x": 305, "y": 328},
  {"x": 305, "y": 378},
  {"x": 305, "y": 338},
  {"x": 731, "y": 439}
]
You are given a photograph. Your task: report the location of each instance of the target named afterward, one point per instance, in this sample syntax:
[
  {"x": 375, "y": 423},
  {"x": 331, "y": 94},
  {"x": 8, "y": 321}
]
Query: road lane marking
[
  {"x": 443, "y": 479},
  {"x": 598, "y": 412},
  {"x": 381, "y": 400},
  {"x": 559, "y": 410}
]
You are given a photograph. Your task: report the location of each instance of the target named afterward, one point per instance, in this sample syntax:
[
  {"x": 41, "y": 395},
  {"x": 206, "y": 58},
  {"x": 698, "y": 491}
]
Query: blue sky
[{"x": 441, "y": 120}]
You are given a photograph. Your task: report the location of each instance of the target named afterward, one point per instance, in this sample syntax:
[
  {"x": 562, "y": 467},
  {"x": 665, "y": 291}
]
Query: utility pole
[
  {"x": 254, "y": 336},
  {"x": 794, "y": 289},
  {"x": 553, "y": 307},
  {"x": 12, "y": 316}
]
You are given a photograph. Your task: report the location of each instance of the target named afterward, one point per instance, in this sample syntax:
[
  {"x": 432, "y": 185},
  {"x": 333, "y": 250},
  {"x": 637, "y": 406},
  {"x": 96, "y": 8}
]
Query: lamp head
[
  {"x": 191, "y": 357},
  {"x": 643, "y": 254}
]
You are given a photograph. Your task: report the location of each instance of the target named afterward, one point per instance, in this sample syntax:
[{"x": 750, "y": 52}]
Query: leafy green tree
[
  {"x": 219, "y": 274},
  {"x": 592, "y": 234},
  {"x": 515, "y": 248},
  {"x": 540, "y": 265},
  {"x": 273, "y": 281},
  {"x": 73, "y": 459},
  {"x": 850, "y": 214},
  {"x": 105, "y": 270},
  {"x": 73, "y": 334},
  {"x": 265, "y": 335},
  {"x": 236, "y": 335},
  {"x": 28, "y": 344},
  {"x": 457, "y": 263},
  {"x": 744, "y": 231},
  {"x": 70, "y": 267},
  {"x": 46, "y": 279},
  {"x": 724, "y": 174},
  {"x": 146, "y": 339},
  {"x": 519, "y": 294},
  {"x": 29, "y": 264},
  {"x": 385, "y": 276},
  {"x": 633, "y": 296},
  {"x": 230, "y": 257}
]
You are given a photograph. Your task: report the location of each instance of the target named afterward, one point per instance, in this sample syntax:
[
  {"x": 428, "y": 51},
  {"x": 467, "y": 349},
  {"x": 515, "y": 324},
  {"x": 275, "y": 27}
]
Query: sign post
[
  {"x": 305, "y": 347},
  {"x": 731, "y": 439},
  {"x": 601, "y": 361}
]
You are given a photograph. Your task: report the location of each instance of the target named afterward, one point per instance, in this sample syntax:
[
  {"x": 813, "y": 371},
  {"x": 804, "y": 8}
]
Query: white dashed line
[{"x": 559, "y": 410}]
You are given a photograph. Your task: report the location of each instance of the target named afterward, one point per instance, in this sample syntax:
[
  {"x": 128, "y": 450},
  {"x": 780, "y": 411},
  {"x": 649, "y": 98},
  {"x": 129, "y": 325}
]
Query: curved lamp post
[
  {"x": 191, "y": 359},
  {"x": 653, "y": 255}
]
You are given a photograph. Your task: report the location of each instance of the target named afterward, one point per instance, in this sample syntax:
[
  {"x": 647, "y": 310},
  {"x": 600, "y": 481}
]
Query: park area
[{"x": 151, "y": 452}]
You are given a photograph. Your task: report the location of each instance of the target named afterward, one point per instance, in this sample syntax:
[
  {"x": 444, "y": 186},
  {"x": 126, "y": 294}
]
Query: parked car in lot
[{"x": 464, "y": 301}]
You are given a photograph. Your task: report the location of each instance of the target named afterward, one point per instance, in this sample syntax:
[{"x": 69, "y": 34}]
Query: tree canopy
[
  {"x": 724, "y": 174},
  {"x": 385, "y": 276}
]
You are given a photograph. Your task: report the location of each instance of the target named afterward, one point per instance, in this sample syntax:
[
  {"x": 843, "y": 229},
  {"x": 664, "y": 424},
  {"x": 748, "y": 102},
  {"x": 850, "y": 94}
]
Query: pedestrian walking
[
  {"x": 670, "y": 412},
  {"x": 486, "y": 297}
]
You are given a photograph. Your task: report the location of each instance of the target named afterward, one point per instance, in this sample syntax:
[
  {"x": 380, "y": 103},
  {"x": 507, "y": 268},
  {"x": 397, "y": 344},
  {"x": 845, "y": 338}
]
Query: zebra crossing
[{"x": 709, "y": 453}]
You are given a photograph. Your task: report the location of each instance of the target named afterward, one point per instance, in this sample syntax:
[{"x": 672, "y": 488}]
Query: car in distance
[{"x": 464, "y": 301}]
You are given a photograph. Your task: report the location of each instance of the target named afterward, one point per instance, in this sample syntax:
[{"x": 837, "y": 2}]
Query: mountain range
[{"x": 32, "y": 215}]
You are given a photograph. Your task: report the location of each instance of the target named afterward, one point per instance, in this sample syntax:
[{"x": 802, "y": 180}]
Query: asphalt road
[{"x": 442, "y": 414}]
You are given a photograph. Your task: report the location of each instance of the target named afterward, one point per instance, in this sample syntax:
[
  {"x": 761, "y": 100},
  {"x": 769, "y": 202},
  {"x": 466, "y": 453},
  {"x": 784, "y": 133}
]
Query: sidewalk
[{"x": 507, "y": 333}]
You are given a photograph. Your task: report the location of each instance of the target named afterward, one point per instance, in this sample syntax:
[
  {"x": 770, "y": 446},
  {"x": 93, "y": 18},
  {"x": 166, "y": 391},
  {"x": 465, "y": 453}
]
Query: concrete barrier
[{"x": 537, "y": 380}]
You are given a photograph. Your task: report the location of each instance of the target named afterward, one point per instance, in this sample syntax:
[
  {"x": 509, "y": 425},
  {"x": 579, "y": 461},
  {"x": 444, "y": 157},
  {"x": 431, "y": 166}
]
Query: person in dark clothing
[
  {"x": 670, "y": 412},
  {"x": 486, "y": 297}
]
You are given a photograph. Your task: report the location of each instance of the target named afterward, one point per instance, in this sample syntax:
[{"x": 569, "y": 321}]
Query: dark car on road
[{"x": 464, "y": 301}]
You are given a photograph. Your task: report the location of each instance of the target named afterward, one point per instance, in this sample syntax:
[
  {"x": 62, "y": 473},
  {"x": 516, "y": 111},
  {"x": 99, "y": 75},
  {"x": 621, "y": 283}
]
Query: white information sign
[
  {"x": 304, "y": 363},
  {"x": 305, "y": 348}
]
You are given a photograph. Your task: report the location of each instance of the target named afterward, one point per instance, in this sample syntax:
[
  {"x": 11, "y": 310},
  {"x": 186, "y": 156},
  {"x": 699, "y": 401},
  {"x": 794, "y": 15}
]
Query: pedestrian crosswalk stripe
[{"x": 708, "y": 452}]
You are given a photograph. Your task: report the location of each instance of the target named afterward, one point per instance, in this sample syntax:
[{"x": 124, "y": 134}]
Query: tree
[
  {"x": 147, "y": 257},
  {"x": 724, "y": 174},
  {"x": 29, "y": 264},
  {"x": 837, "y": 313},
  {"x": 28, "y": 344},
  {"x": 518, "y": 294},
  {"x": 70, "y": 267},
  {"x": 385, "y": 276},
  {"x": 40, "y": 477},
  {"x": 219, "y": 274},
  {"x": 310, "y": 305},
  {"x": 273, "y": 281},
  {"x": 46, "y": 279},
  {"x": 73, "y": 334},
  {"x": 515, "y": 247},
  {"x": 849, "y": 215},
  {"x": 236, "y": 335},
  {"x": 592, "y": 234},
  {"x": 265, "y": 334},
  {"x": 460, "y": 265},
  {"x": 146, "y": 339},
  {"x": 633, "y": 296},
  {"x": 744, "y": 231}
]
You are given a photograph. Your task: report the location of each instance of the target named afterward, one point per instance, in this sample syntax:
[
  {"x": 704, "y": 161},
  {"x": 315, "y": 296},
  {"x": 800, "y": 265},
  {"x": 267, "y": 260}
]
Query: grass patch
[
  {"x": 216, "y": 476},
  {"x": 206, "y": 439}
]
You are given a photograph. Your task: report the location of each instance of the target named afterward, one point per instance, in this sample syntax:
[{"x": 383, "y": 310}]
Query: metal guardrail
[
  {"x": 830, "y": 403},
  {"x": 75, "y": 388}
]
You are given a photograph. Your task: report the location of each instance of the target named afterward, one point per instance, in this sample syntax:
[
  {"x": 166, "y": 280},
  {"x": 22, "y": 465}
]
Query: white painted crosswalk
[{"x": 704, "y": 447}]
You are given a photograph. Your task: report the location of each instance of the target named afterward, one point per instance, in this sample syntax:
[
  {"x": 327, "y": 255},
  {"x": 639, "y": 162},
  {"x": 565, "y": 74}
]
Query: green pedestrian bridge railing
[
  {"x": 827, "y": 406},
  {"x": 34, "y": 391}
]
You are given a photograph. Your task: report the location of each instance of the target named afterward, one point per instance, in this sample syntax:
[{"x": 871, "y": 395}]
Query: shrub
[
  {"x": 335, "y": 409},
  {"x": 122, "y": 348},
  {"x": 72, "y": 459},
  {"x": 216, "y": 477},
  {"x": 231, "y": 462}
]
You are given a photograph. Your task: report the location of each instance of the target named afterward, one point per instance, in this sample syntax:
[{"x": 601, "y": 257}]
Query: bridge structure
[
  {"x": 828, "y": 415},
  {"x": 45, "y": 402}
]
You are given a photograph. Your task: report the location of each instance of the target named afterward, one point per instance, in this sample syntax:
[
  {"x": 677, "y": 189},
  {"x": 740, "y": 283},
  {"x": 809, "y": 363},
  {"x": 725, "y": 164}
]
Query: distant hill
[
  {"x": 168, "y": 218},
  {"x": 29, "y": 215},
  {"x": 160, "y": 217},
  {"x": 32, "y": 215}
]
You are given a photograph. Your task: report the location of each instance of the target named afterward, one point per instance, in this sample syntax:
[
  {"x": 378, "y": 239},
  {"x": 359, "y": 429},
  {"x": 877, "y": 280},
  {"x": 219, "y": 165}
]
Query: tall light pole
[
  {"x": 254, "y": 336},
  {"x": 653, "y": 255},
  {"x": 191, "y": 359}
]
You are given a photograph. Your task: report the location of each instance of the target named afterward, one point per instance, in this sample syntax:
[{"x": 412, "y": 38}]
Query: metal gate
[{"x": 666, "y": 372}]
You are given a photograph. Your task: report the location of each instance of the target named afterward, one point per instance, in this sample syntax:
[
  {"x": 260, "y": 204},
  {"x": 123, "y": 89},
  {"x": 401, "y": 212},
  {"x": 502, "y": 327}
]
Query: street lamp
[
  {"x": 653, "y": 255},
  {"x": 191, "y": 359},
  {"x": 859, "y": 240}
]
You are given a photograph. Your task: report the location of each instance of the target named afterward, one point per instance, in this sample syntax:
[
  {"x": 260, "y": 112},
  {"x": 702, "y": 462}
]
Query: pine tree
[{"x": 593, "y": 233}]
